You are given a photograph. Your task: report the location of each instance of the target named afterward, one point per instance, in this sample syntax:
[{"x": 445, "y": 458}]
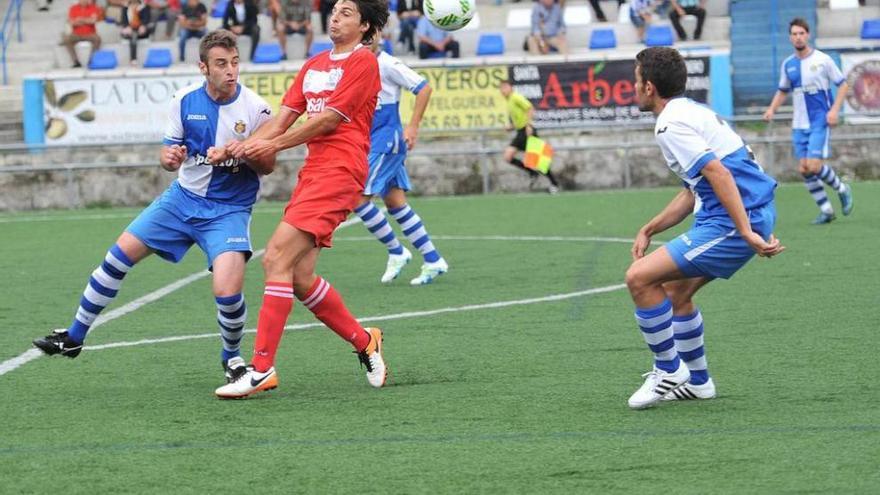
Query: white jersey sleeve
[
  {"x": 174, "y": 127},
  {"x": 833, "y": 71},
  {"x": 784, "y": 81},
  {"x": 685, "y": 149},
  {"x": 261, "y": 112},
  {"x": 405, "y": 77}
]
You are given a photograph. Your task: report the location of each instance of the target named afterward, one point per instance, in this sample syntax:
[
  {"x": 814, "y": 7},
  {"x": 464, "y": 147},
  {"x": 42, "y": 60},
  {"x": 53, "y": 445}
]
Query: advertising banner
[{"x": 862, "y": 72}]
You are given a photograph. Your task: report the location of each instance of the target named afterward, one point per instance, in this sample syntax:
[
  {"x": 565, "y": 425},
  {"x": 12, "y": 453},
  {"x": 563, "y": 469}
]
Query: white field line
[{"x": 370, "y": 319}]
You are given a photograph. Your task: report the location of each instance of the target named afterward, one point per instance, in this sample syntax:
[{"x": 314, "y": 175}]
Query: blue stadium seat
[
  {"x": 388, "y": 46},
  {"x": 659, "y": 36},
  {"x": 871, "y": 29},
  {"x": 490, "y": 44},
  {"x": 219, "y": 9},
  {"x": 158, "y": 58},
  {"x": 103, "y": 60},
  {"x": 267, "y": 53},
  {"x": 318, "y": 47},
  {"x": 437, "y": 55},
  {"x": 602, "y": 38}
]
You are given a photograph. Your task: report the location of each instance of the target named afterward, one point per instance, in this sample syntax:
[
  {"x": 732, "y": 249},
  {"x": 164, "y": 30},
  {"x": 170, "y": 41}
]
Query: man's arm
[
  {"x": 411, "y": 132},
  {"x": 677, "y": 210},
  {"x": 833, "y": 114},
  {"x": 172, "y": 156},
  {"x": 273, "y": 128},
  {"x": 323, "y": 123},
  {"x": 778, "y": 99}
]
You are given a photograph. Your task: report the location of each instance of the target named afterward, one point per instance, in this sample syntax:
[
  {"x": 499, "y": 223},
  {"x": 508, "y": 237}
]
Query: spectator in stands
[
  {"x": 597, "y": 9},
  {"x": 164, "y": 10},
  {"x": 408, "y": 13},
  {"x": 293, "y": 17},
  {"x": 433, "y": 40},
  {"x": 326, "y": 8},
  {"x": 681, "y": 8},
  {"x": 241, "y": 18},
  {"x": 193, "y": 19},
  {"x": 642, "y": 12},
  {"x": 548, "y": 28},
  {"x": 82, "y": 18},
  {"x": 135, "y": 23}
]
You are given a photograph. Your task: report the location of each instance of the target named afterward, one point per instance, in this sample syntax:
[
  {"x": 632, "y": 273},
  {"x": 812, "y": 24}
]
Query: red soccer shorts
[{"x": 324, "y": 196}]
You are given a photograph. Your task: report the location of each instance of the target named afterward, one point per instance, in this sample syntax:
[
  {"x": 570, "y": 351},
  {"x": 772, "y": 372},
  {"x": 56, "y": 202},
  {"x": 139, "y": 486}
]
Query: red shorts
[{"x": 323, "y": 197}]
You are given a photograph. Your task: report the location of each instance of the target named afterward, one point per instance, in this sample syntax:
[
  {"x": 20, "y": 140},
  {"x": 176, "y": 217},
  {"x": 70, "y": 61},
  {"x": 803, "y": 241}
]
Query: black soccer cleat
[{"x": 58, "y": 342}]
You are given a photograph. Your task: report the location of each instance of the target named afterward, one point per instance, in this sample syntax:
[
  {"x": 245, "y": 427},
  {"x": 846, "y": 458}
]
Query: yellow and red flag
[{"x": 538, "y": 154}]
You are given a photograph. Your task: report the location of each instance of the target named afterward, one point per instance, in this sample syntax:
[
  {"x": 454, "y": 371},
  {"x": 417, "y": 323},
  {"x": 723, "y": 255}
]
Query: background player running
[{"x": 209, "y": 204}]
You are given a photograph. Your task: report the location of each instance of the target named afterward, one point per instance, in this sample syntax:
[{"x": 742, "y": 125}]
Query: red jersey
[
  {"x": 77, "y": 12},
  {"x": 349, "y": 85}
]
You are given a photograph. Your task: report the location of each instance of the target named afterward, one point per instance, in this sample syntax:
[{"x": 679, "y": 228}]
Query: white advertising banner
[
  {"x": 107, "y": 111},
  {"x": 862, "y": 71}
]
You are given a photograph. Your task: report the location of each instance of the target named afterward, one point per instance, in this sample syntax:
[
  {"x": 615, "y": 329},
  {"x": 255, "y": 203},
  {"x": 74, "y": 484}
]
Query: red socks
[
  {"x": 323, "y": 300},
  {"x": 277, "y": 303}
]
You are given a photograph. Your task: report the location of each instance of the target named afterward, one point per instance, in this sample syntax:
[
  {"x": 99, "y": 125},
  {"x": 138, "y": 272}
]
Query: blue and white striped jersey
[
  {"x": 199, "y": 122},
  {"x": 809, "y": 80},
  {"x": 386, "y": 135},
  {"x": 690, "y": 136}
]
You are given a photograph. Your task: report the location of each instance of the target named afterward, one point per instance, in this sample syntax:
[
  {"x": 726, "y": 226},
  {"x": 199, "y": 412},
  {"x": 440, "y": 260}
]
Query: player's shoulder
[
  {"x": 681, "y": 112},
  {"x": 789, "y": 59},
  {"x": 363, "y": 55},
  {"x": 187, "y": 91},
  {"x": 821, "y": 56},
  {"x": 247, "y": 96}
]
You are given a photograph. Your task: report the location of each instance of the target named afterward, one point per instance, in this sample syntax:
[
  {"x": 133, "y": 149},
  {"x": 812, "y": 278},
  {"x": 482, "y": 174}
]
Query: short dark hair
[
  {"x": 374, "y": 13},
  {"x": 665, "y": 68},
  {"x": 800, "y": 22},
  {"x": 222, "y": 38}
]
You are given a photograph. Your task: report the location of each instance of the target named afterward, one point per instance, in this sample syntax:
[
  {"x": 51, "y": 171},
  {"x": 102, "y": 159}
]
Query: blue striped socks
[
  {"x": 375, "y": 222},
  {"x": 829, "y": 177},
  {"x": 231, "y": 315},
  {"x": 102, "y": 288},
  {"x": 415, "y": 231},
  {"x": 818, "y": 192},
  {"x": 656, "y": 326},
  {"x": 688, "y": 330}
]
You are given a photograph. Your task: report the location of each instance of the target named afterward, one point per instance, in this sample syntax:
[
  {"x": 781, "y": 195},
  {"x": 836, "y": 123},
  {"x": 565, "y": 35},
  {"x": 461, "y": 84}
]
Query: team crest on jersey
[{"x": 239, "y": 127}]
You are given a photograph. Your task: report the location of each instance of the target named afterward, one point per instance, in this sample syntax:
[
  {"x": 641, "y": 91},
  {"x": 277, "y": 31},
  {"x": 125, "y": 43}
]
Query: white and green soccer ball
[{"x": 450, "y": 15}]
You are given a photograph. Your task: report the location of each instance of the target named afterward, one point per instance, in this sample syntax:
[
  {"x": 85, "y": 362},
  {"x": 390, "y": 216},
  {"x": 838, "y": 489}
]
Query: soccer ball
[{"x": 450, "y": 15}]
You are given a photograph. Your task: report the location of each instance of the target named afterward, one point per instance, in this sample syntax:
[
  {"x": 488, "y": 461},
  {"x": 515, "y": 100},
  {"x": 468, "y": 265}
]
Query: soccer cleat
[
  {"x": 823, "y": 218},
  {"x": 657, "y": 384},
  {"x": 395, "y": 264},
  {"x": 248, "y": 383},
  {"x": 689, "y": 391},
  {"x": 553, "y": 190},
  {"x": 430, "y": 271},
  {"x": 846, "y": 200},
  {"x": 234, "y": 368},
  {"x": 59, "y": 342},
  {"x": 371, "y": 358}
]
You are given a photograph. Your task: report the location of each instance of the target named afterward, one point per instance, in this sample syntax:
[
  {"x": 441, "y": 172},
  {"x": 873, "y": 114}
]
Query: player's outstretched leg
[
  {"x": 817, "y": 191},
  {"x": 103, "y": 286},
  {"x": 411, "y": 223},
  {"x": 844, "y": 191},
  {"x": 398, "y": 256}
]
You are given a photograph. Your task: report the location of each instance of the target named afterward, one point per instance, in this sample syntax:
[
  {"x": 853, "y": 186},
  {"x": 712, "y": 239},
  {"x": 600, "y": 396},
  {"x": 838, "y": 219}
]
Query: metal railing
[{"x": 13, "y": 10}]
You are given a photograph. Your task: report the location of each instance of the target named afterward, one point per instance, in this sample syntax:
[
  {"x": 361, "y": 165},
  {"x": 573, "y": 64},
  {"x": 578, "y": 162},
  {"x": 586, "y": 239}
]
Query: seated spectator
[
  {"x": 408, "y": 13},
  {"x": 434, "y": 40},
  {"x": 642, "y": 12},
  {"x": 241, "y": 18},
  {"x": 193, "y": 19},
  {"x": 82, "y": 18},
  {"x": 681, "y": 8},
  {"x": 294, "y": 17},
  {"x": 597, "y": 9},
  {"x": 164, "y": 10},
  {"x": 135, "y": 23},
  {"x": 548, "y": 28}
]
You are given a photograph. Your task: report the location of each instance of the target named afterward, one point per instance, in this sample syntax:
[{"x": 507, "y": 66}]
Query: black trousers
[{"x": 676, "y": 21}]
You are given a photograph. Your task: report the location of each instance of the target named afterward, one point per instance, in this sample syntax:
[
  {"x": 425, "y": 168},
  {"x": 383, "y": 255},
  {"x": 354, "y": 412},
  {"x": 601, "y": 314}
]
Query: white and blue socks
[
  {"x": 415, "y": 231},
  {"x": 826, "y": 173},
  {"x": 656, "y": 326},
  {"x": 231, "y": 315},
  {"x": 102, "y": 288},
  {"x": 375, "y": 222},
  {"x": 814, "y": 186},
  {"x": 688, "y": 330}
]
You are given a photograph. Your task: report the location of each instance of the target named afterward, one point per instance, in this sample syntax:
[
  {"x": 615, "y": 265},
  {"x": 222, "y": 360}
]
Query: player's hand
[
  {"x": 259, "y": 148},
  {"x": 764, "y": 248},
  {"x": 410, "y": 136},
  {"x": 832, "y": 118},
  {"x": 768, "y": 115},
  {"x": 173, "y": 156},
  {"x": 640, "y": 244},
  {"x": 217, "y": 155},
  {"x": 235, "y": 148}
]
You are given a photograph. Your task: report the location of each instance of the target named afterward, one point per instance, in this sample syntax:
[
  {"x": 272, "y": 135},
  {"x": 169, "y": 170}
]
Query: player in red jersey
[{"x": 338, "y": 90}]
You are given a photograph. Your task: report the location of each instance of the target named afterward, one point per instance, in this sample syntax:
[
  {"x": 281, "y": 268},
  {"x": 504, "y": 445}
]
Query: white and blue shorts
[
  {"x": 811, "y": 143},
  {"x": 387, "y": 170}
]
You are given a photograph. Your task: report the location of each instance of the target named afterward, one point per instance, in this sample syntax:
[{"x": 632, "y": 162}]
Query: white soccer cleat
[
  {"x": 689, "y": 391},
  {"x": 371, "y": 358},
  {"x": 395, "y": 264},
  {"x": 657, "y": 384},
  {"x": 430, "y": 271},
  {"x": 248, "y": 383}
]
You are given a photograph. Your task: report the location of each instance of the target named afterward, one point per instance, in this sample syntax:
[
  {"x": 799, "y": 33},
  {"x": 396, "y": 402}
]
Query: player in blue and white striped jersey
[
  {"x": 209, "y": 204},
  {"x": 808, "y": 75},
  {"x": 389, "y": 142},
  {"x": 732, "y": 201}
]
